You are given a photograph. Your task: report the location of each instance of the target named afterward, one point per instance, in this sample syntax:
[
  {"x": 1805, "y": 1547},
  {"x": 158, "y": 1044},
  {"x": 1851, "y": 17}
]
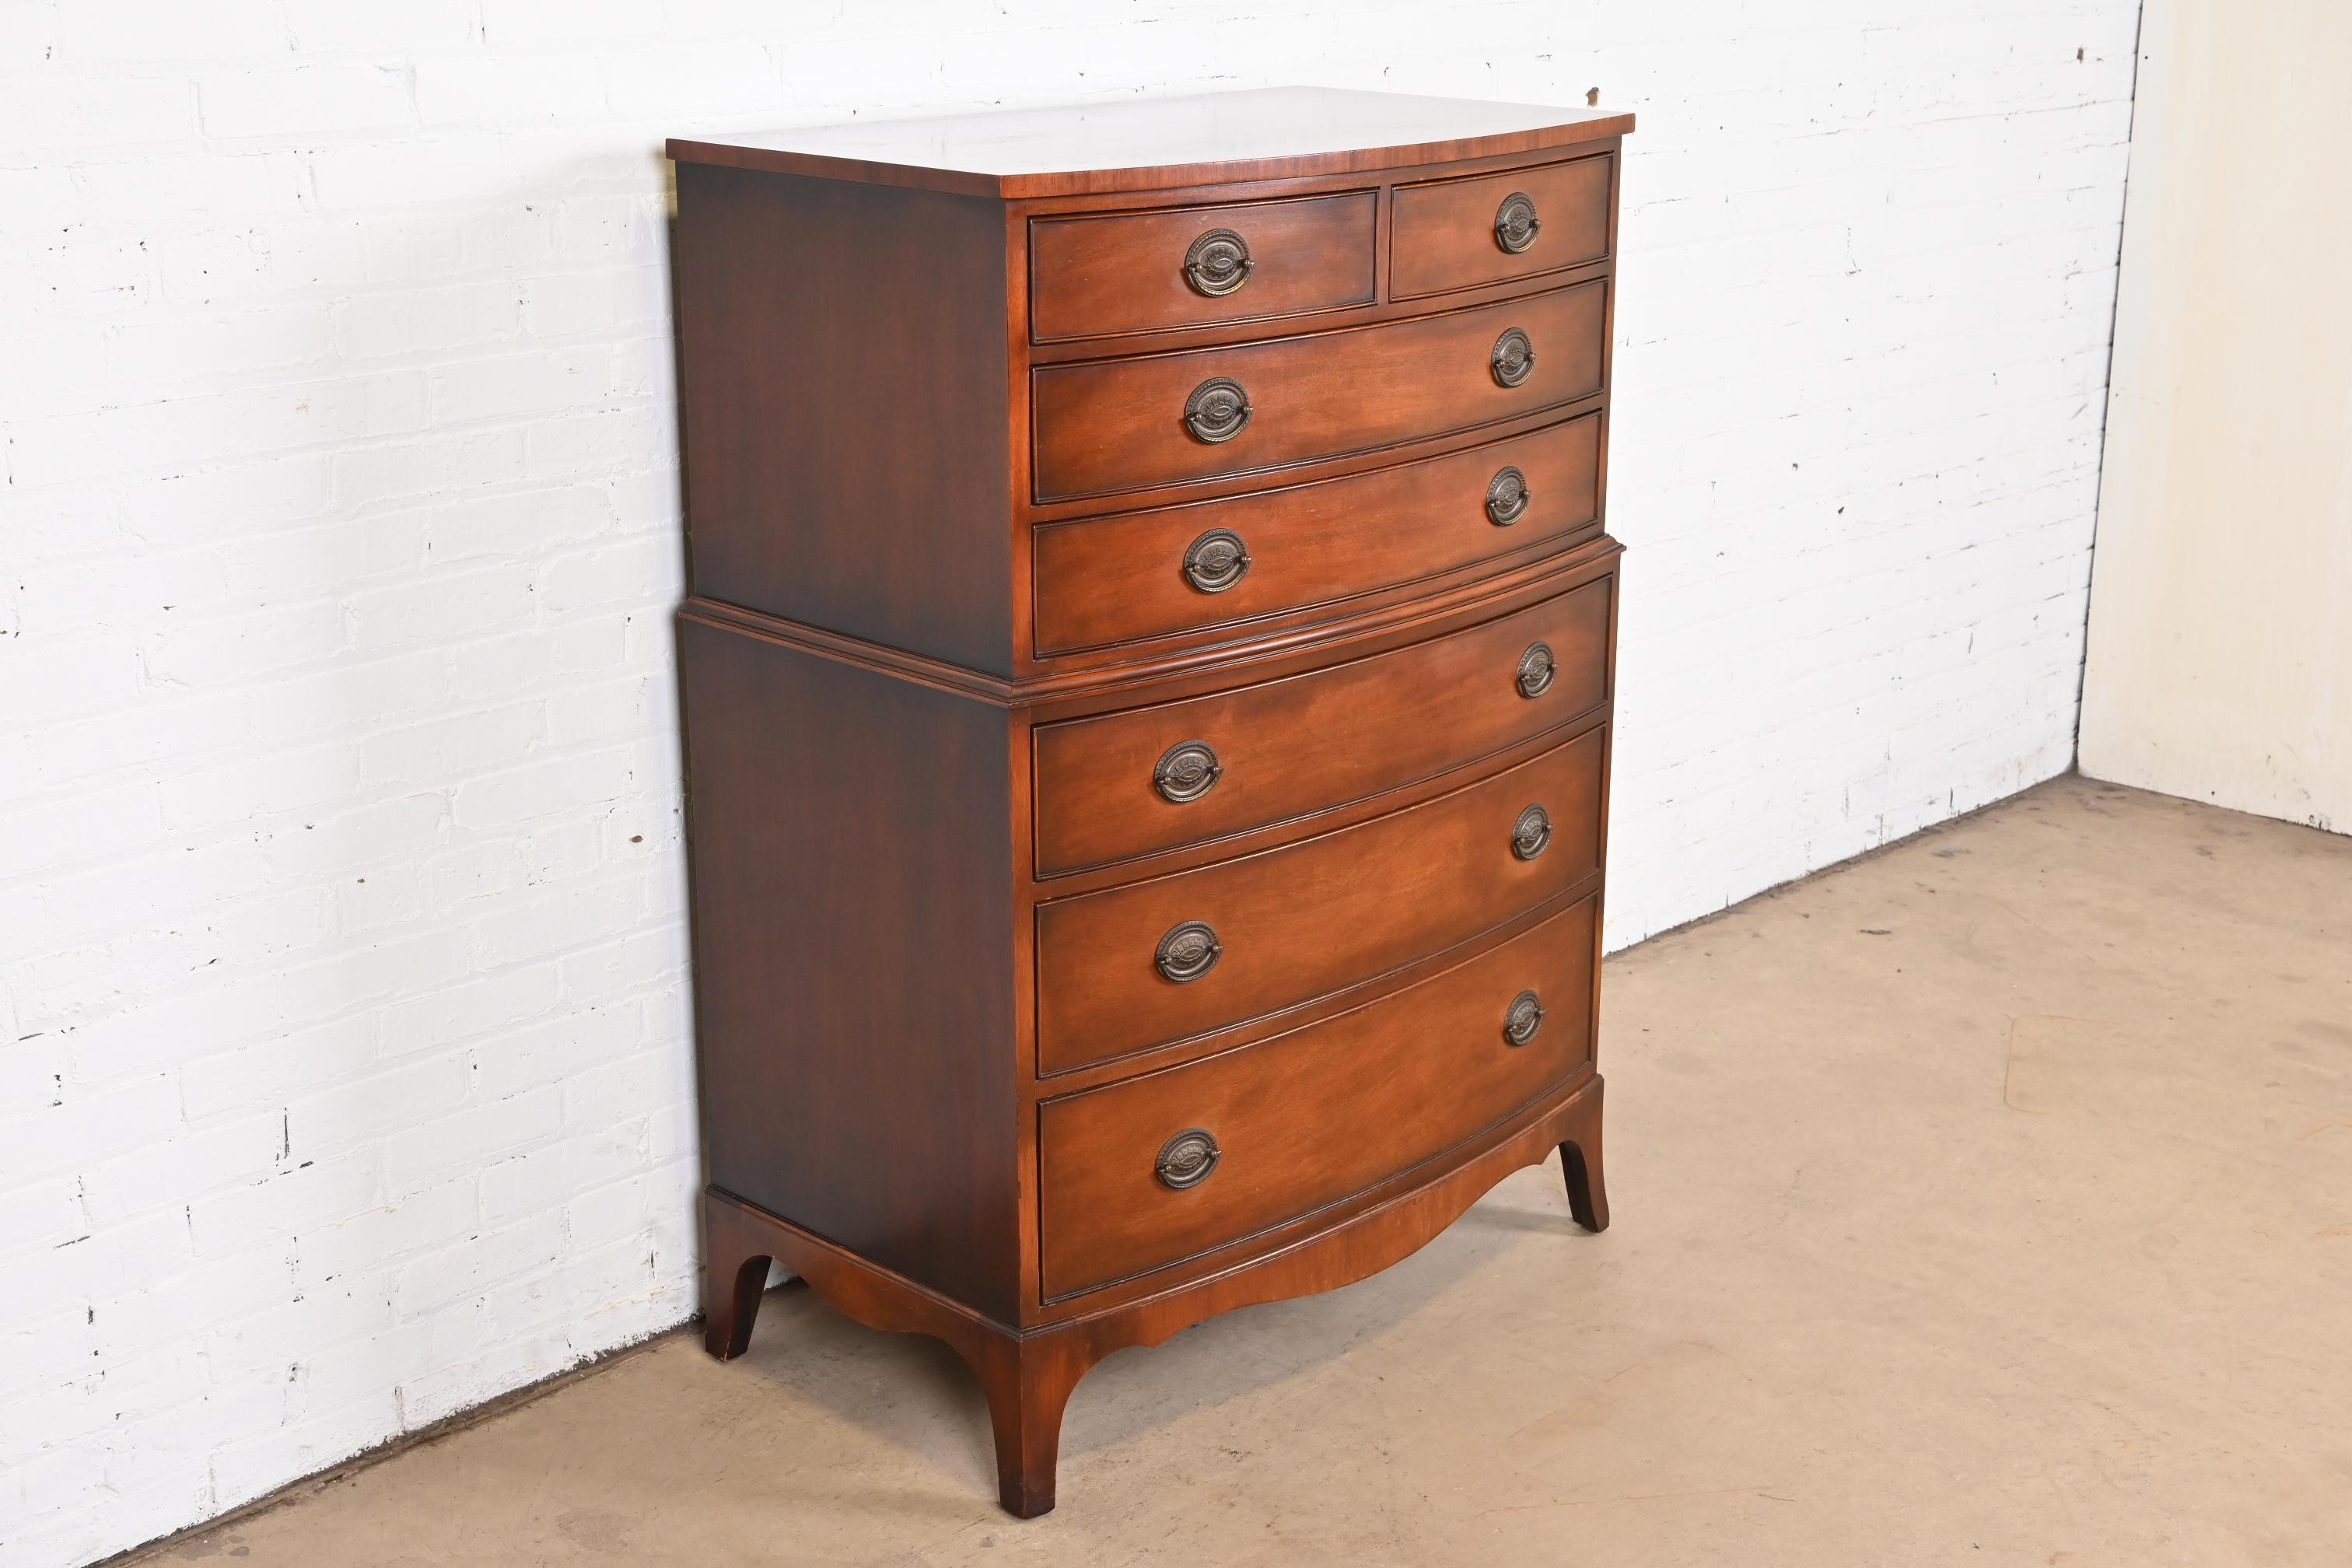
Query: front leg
[
  {"x": 1580, "y": 1160},
  {"x": 1029, "y": 1383}
]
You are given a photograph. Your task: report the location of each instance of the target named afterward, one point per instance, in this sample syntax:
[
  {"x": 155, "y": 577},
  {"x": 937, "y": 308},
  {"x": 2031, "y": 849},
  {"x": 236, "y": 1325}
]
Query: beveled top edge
[{"x": 1134, "y": 144}]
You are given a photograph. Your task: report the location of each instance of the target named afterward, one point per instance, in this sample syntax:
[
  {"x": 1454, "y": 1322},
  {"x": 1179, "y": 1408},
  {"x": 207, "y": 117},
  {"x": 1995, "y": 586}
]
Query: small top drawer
[
  {"x": 1140, "y": 272},
  {"x": 1493, "y": 228}
]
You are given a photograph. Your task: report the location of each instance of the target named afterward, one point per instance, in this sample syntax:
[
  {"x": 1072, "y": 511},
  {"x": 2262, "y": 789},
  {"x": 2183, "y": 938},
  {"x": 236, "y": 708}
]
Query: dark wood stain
[
  {"x": 1444, "y": 237},
  {"x": 1119, "y": 578},
  {"x": 1093, "y": 277},
  {"x": 852, "y": 990},
  {"x": 1391, "y": 1085},
  {"x": 939, "y": 499},
  {"x": 844, "y": 406},
  {"x": 1312, "y": 916},
  {"x": 1289, "y": 747},
  {"x": 1119, "y": 424}
]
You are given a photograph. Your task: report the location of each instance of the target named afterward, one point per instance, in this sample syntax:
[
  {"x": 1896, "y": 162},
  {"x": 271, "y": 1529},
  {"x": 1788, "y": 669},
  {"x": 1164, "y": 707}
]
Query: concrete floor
[{"x": 1988, "y": 1202}]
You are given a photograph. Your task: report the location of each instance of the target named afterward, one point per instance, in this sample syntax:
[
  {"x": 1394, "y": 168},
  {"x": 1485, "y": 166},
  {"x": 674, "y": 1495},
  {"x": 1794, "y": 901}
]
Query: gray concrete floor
[{"x": 1985, "y": 1202}]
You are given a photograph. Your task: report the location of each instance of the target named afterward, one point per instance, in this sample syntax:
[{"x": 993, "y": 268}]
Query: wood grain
[
  {"x": 1392, "y": 1084},
  {"x": 1298, "y": 922},
  {"x": 842, "y": 407},
  {"x": 1124, "y": 272},
  {"x": 1291, "y": 748},
  {"x": 850, "y": 853},
  {"x": 1119, "y": 578},
  {"x": 1443, "y": 233},
  {"x": 1119, "y": 424},
  {"x": 940, "y": 497}
]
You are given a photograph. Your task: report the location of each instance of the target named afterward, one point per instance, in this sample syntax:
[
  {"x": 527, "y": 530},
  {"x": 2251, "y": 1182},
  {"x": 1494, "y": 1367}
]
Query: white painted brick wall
[{"x": 344, "y": 1065}]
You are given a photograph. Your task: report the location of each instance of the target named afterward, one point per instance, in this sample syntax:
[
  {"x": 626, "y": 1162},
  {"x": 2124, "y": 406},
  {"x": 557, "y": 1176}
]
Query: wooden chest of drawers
[{"x": 1146, "y": 693}]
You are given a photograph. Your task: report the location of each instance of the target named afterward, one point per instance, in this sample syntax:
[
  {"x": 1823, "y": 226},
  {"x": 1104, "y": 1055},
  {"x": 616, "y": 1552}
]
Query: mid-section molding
[{"x": 1242, "y": 658}]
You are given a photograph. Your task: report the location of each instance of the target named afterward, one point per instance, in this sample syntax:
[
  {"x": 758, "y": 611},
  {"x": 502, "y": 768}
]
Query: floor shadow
[{"x": 917, "y": 1394}]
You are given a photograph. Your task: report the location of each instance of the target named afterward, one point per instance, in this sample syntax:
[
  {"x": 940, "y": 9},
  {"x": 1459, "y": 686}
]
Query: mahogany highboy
[{"x": 1147, "y": 691}]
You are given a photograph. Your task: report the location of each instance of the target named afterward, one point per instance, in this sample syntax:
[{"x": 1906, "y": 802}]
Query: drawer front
[
  {"x": 1137, "y": 272},
  {"x": 1306, "y": 1118},
  {"x": 1132, "y": 967},
  {"x": 1130, "y": 423},
  {"x": 1458, "y": 234},
  {"x": 1143, "y": 779},
  {"x": 1143, "y": 575}
]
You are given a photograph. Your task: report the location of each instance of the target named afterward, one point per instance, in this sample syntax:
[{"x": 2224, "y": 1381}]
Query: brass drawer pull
[
  {"x": 1530, "y": 835},
  {"x": 1217, "y": 561},
  {"x": 1188, "y": 952},
  {"x": 1512, "y": 361},
  {"x": 1522, "y": 1018},
  {"x": 1186, "y": 771},
  {"x": 1219, "y": 263},
  {"x": 1515, "y": 224},
  {"x": 1186, "y": 1160},
  {"x": 1220, "y": 408},
  {"x": 1536, "y": 669},
  {"x": 1507, "y": 497}
]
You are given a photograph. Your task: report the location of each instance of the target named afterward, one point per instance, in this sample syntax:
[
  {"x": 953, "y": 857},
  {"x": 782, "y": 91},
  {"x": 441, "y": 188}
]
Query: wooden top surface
[{"x": 1134, "y": 144}]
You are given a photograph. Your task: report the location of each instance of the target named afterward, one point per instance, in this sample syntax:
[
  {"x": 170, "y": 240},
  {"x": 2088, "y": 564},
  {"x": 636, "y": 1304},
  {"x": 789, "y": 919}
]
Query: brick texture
[{"x": 345, "y": 1062}]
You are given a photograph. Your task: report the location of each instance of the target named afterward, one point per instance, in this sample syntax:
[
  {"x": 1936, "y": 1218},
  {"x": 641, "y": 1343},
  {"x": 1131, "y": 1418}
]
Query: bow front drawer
[
  {"x": 1161, "y": 419},
  {"x": 1138, "y": 272},
  {"x": 1141, "y": 574},
  {"x": 1141, "y": 780},
  {"x": 1152, "y": 1170},
  {"x": 1134, "y": 966}
]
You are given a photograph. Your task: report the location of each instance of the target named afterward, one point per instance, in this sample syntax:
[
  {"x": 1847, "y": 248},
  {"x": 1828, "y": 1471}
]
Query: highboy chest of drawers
[{"x": 1147, "y": 688}]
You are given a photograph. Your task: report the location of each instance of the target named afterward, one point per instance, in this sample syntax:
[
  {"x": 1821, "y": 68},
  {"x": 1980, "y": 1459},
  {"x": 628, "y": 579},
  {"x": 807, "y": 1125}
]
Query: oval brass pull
[
  {"x": 1218, "y": 263},
  {"x": 1530, "y": 835},
  {"x": 1536, "y": 669},
  {"x": 1219, "y": 409},
  {"x": 1514, "y": 359},
  {"x": 1522, "y": 1018},
  {"x": 1217, "y": 561},
  {"x": 1188, "y": 952},
  {"x": 1186, "y": 1160},
  {"x": 1507, "y": 497},
  {"x": 1515, "y": 224},
  {"x": 1186, "y": 771}
]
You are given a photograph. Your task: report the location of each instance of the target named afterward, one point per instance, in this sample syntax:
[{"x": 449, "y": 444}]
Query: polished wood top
[{"x": 1134, "y": 144}]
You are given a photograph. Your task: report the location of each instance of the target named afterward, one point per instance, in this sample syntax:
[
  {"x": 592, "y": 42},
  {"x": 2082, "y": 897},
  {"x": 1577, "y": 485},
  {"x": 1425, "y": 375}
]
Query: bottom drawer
[{"x": 1149, "y": 1171}]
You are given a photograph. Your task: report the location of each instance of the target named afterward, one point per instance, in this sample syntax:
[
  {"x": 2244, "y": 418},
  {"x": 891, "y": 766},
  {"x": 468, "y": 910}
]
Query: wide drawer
[
  {"x": 1106, "y": 580},
  {"x": 1134, "y": 966},
  {"x": 1130, "y": 423},
  {"x": 1142, "y": 780},
  {"x": 1133, "y": 272},
  {"x": 1460, "y": 233},
  {"x": 1152, "y": 1170}
]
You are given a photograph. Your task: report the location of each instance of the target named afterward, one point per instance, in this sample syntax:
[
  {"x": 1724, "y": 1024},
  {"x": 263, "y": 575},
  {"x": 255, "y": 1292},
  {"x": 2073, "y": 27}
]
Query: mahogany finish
[
  {"x": 1146, "y": 840},
  {"x": 1120, "y": 578},
  {"x": 1119, "y": 424},
  {"x": 1307, "y": 1118},
  {"x": 1291, "y": 748},
  {"x": 1315, "y": 916},
  {"x": 1445, "y": 229},
  {"x": 1125, "y": 272}
]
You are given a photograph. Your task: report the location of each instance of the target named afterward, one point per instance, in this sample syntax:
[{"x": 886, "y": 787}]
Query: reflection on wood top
[{"x": 1134, "y": 144}]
